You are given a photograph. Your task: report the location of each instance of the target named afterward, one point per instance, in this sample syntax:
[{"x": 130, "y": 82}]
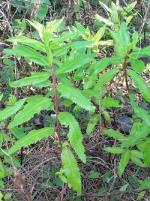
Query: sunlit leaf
[
  {"x": 125, "y": 157},
  {"x": 35, "y": 78},
  {"x": 74, "y": 135},
  {"x": 31, "y": 138},
  {"x": 70, "y": 169},
  {"x": 34, "y": 105},
  {"x": 11, "y": 110},
  {"x": 140, "y": 84},
  {"x": 76, "y": 96}
]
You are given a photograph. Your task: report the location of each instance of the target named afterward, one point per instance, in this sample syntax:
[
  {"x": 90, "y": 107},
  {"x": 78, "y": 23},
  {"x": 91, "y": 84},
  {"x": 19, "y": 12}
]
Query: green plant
[
  {"x": 75, "y": 81},
  {"x": 117, "y": 14},
  {"x": 57, "y": 59}
]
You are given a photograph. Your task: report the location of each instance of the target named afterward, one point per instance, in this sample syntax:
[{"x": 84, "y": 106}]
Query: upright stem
[
  {"x": 56, "y": 105},
  {"x": 125, "y": 73}
]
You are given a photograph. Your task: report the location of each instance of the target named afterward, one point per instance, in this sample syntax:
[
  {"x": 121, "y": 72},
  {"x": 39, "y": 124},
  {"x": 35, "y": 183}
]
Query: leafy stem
[
  {"x": 125, "y": 65},
  {"x": 56, "y": 105}
]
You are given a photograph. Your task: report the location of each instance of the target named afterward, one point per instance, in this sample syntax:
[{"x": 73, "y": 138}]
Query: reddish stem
[{"x": 56, "y": 105}]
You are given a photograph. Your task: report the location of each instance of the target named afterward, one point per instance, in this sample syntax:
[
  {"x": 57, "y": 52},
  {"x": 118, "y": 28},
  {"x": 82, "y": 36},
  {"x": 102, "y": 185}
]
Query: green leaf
[
  {"x": 42, "y": 11},
  {"x": 2, "y": 170},
  {"x": 70, "y": 169},
  {"x": 18, "y": 132},
  {"x": 141, "y": 52},
  {"x": 80, "y": 28},
  {"x": 28, "y": 53},
  {"x": 147, "y": 154},
  {"x": 138, "y": 132},
  {"x": 34, "y": 105},
  {"x": 76, "y": 96},
  {"x": 2, "y": 136},
  {"x": 137, "y": 65},
  {"x": 74, "y": 63},
  {"x": 140, "y": 112},
  {"x": 135, "y": 39},
  {"x": 99, "y": 66},
  {"x": 137, "y": 161},
  {"x": 115, "y": 134},
  {"x": 11, "y": 110},
  {"x": 66, "y": 36},
  {"x": 80, "y": 45},
  {"x": 31, "y": 138},
  {"x": 140, "y": 84},
  {"x": 92, "y": 123},
  {"x": 53, "y": 25},
  {"x": 135, "y": 133},
  {"x": 137, "y": 154},
  {"x": 104, "y": 20},
  {"x": 99, "y": 34},
  {"x": 145, "y": 184},
  {"x": 121, "y": 40},
  {"x": 129, "y": 7},
  {"x": 96, "y": 67},
  {"x": 45, "y": 83},
  {"x": 39, "y": 27},
  {"x": 105, "y": 78},
  {"x": 114, "y": 150},
  {"x": 1, "y": 97},
  {"x": 137, "y": 157},
  {"x": 105, "y": 7},
  {"x": 109, "y": 102},
  {"x": 35, "y": 44},
  {"x": 125, "y": 157},
  {"x": 34, "y": 79},
  {"x": 75, "y": 135}
]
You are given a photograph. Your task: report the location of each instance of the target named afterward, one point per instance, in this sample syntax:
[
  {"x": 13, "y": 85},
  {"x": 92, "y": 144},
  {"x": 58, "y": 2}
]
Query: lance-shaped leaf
[
  {"x": 10, "y": 110},
  {"x": 115, "y": 134},
  {"x": 125, "y": 157},
  {"x": 34, "y": 105},
  {"x": 137, "y": 158},
  {"x": 39, "y": 27},
  {"x": 54, "y": 25},
  {"x": 145, "y": 184},
  {"x": 66, "y": 36},
  {"x": 92, "y": 123},
  {"x": 34, "y": 79},
  {"x": 99, "y": 34},
  {"x": 139, "y": 111},
  {"x": 121, "y": 40},
  {"x": 75, "y": 63},
  {"x": 140, "y": 84},
  {"x": 140, "y": 52},
  {"x": 3, "y": 172},
  {"x": 109, "y": 102},
  {"x": 147, "y": 154},
  {"x": 76, "y": 96},
  {"x": 97, "y": 67},
  {"x": 138, "y": 132},
  {"x": 104, "y": 20},
  {"x": 137, "y": 65},
  {"x": 70, "y": 169},
  {"x": 1, "y": 97},
  {"x": 35, "y": 44},
  {"x": 106, "y": 78},
  {"x": 28, "y": 53},
  {"x": 114, "y": 150},
  {"x": 31, "y": 138},
  {"x": 75, "y": 135}
]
